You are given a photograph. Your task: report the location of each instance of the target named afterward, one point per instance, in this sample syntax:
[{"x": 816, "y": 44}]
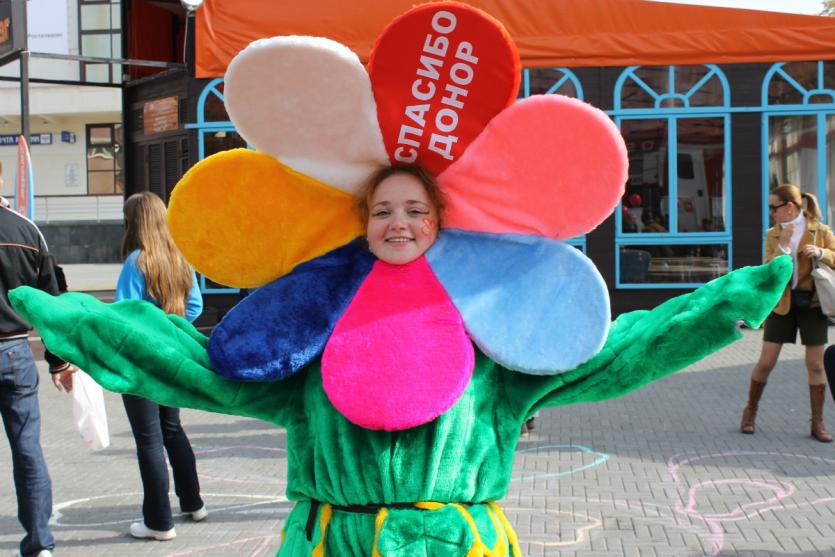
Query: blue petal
[
  {"x": 532, "y": 304},
  {"x": 282, "y": 326}
]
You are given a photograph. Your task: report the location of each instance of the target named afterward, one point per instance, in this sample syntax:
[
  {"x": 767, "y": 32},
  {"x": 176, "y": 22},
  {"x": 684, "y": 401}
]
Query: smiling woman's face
[{"x": 402, "y": 221}]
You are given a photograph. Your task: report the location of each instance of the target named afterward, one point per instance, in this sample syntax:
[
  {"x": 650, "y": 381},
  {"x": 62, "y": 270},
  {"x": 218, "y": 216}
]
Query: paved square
[{"x": 660, "y": 472}]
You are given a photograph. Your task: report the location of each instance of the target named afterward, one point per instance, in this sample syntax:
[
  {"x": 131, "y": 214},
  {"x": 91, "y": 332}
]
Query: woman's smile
[{"x": 403, "y": 222}]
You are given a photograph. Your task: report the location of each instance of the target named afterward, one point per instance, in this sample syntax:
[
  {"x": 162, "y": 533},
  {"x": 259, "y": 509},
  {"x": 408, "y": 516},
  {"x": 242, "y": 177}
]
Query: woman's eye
[
  {"x": 418, "y": 212},
  {"x": 379, "y": 214}
]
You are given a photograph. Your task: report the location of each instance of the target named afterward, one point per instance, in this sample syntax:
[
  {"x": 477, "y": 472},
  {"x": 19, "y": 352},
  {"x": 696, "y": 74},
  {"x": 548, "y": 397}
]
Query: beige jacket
[{"x": 817, "y": 234}]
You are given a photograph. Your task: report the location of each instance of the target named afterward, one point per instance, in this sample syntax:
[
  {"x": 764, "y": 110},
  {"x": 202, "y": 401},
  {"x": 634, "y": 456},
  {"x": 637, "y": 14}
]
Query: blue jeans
[
  {"x": 22, "y": 420},
  {"x": 154, "y": 427}
]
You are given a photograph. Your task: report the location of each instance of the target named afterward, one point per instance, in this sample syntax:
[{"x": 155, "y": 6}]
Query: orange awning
[{"x": 547, "y": 32}]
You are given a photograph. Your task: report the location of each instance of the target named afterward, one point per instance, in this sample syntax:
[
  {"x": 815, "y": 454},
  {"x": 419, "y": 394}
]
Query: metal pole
[
  {"x": 24, "y": 76},
  {"x": 24, "y": 94}
]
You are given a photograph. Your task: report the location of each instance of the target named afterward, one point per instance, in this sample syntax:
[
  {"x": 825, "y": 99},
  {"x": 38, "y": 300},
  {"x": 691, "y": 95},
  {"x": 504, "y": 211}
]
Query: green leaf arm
[
  {"x": 644, "y": 346},
  {"x": 134, "y": 347}
]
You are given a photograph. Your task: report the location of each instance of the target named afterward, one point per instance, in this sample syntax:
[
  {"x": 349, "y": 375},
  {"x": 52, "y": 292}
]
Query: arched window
[
  {"x": 215, "y": 133},
  {"x": 550, "y": 81},
  {"x": 673, "y": 226},
  {"x": 798, "y": 101}
]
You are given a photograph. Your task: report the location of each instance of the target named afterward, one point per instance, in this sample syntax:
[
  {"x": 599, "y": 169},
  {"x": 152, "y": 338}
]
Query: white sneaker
[
  {"x": 43, "y": 553},
  {"x": 139, "y": 530},
  {"x": 199, "y": 514}
]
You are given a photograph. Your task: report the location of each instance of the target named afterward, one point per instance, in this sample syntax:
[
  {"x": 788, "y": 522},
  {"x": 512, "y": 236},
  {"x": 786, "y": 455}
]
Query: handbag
[
  {"x": 824, "y": 277},
  {"x": 89, "y": 412}
]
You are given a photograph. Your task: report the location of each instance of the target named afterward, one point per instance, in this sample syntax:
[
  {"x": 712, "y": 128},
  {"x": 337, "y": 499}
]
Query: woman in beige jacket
[{"x": 798, "y": 233}]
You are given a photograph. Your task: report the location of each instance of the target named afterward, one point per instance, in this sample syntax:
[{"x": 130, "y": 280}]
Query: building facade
[
  {"x": 706, "y": 142},
  {"x": 76, "y": 138}
]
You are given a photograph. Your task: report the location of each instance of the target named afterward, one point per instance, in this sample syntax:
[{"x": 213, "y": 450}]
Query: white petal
[{"x": 308, "y": 102}]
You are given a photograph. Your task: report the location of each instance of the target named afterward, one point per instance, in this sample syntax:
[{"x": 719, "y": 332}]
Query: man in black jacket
[{"x": 24, "y": 260}]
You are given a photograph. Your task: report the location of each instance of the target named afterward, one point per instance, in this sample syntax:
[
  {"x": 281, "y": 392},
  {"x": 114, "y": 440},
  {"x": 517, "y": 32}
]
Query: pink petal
[{"x": 399, "y": 357}]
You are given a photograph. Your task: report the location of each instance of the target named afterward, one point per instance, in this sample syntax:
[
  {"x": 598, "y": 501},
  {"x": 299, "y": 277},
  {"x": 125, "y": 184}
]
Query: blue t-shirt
[{"x": 131, "y": 286}]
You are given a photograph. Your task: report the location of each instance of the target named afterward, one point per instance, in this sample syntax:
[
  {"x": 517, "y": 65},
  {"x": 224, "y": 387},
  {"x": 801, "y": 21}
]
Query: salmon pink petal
[
  {"x": 399, "y": 357},
  {"x": 440, "y": 72},
  {"x": 549, "y": 165}
]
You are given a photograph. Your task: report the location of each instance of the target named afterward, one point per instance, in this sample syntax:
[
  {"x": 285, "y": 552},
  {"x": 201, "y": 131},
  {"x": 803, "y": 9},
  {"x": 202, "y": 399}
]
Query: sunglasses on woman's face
[{"x": 773, "y": 208}]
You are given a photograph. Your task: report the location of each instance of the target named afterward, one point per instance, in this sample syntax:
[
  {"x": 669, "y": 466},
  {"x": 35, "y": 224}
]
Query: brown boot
[
  {"x": 817, "y": 397},
  {"x": 755, "y": 391}
]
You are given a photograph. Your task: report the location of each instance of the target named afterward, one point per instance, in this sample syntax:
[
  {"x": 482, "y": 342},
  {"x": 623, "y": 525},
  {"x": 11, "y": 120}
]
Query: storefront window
[
  {"x": 673, "y": 224},
  {"x": 799, "y": 108}
]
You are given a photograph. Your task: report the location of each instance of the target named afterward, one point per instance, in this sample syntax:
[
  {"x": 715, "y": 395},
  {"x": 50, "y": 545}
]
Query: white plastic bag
[{"x": 88, "y": 410}]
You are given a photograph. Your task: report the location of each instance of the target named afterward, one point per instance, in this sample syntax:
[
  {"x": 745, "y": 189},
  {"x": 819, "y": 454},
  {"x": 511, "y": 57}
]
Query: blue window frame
[
  {"x": 549, "y": 81},
  {"x": 673, "y": 226},
  {"x": 798, "y": 139},
  {"x": 215, "y": 133}
]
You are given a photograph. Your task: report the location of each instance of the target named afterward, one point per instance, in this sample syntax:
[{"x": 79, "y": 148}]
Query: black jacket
[{"x": 24, "y": 260}]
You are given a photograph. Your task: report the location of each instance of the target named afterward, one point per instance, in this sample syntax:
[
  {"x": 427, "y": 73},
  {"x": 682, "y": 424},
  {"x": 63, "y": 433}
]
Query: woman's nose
[{"x": 398, "y": 222}]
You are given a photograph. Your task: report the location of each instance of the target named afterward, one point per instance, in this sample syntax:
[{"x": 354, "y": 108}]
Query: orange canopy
[{"x": 547, "y": 32}]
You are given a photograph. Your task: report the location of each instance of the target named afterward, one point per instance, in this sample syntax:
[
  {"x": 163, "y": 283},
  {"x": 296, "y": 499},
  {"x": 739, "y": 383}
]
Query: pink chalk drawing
[
  {"x": 689, "y": 513},
  {"x": 781, "y": 492}
]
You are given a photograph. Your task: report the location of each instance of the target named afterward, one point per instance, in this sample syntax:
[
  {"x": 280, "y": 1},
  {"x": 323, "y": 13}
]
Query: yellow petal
[{"x": 243, "y": 219}]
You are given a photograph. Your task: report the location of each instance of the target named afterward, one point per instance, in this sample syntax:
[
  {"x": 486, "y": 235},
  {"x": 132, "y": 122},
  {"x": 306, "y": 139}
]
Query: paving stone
[{"x": 660, "y": 472}]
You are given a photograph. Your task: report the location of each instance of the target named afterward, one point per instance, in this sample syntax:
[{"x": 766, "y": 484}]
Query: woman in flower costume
[{"x": 402, "y": 385}]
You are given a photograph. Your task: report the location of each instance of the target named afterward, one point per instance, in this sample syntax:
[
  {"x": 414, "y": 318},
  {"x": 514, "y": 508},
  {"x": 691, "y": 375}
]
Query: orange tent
[{"x": 547, "y": 32}]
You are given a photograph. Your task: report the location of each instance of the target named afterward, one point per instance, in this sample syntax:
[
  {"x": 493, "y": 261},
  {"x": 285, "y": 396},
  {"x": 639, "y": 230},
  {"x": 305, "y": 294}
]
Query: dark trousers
[
  {"x": 155, "y": 427},
  {"x": 22, "y": 421}
]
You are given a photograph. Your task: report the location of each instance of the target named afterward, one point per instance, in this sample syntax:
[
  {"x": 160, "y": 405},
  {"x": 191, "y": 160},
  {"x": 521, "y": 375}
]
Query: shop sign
[
  {"x": 161, "y": 115},
  {"x": 34, "y": 139}
]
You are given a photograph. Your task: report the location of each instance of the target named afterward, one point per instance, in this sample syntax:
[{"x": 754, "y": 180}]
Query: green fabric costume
[{"x": 464, "y": 456}]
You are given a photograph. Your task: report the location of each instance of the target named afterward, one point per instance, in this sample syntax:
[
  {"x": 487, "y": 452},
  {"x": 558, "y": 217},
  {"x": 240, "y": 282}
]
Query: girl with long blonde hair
[
  {"x": 155, "y": 271},
  {"x": 168, "y": 277}
]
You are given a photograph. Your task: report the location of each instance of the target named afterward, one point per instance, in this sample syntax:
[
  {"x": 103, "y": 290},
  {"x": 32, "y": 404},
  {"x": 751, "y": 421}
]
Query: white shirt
[{"x": 799, "y": 228}]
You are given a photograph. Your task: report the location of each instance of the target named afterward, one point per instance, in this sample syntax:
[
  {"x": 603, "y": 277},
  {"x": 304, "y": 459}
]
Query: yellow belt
[{"x": 477, "y": 549}]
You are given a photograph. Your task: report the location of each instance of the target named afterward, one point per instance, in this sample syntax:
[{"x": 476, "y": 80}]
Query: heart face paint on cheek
[{"x": 428, "y": 227}]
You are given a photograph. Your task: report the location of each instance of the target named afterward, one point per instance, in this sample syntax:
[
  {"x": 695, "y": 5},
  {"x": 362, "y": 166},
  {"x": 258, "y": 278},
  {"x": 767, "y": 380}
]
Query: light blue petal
[{"x": 532, "y": 304}]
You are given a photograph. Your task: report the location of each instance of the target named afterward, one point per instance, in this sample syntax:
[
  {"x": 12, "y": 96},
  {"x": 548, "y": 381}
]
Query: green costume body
[{"x": 464, "y": 456}]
